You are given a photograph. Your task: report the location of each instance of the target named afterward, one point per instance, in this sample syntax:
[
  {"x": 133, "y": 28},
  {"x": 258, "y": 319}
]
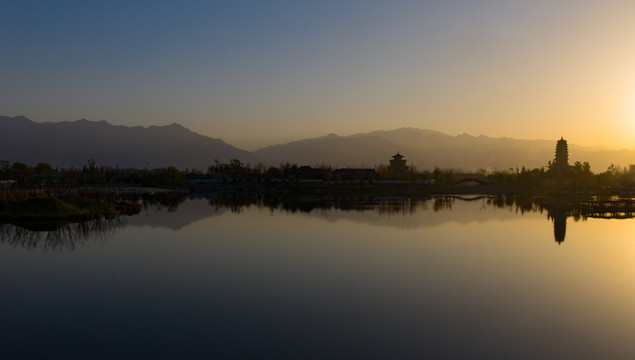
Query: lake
[{"x": 442, "y": 278}]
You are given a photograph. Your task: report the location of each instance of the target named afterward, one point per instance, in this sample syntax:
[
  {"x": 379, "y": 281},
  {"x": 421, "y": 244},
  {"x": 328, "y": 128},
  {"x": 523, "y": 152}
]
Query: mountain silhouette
[
  {"x": 363, "y": 151},
  {"x": 73, "y": 143},
  {"x": 428, "y": 149}
]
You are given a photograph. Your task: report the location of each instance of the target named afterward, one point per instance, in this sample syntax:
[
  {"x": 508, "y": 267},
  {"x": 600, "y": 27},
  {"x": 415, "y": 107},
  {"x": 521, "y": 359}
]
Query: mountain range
[{"x": 66, "y": 144}]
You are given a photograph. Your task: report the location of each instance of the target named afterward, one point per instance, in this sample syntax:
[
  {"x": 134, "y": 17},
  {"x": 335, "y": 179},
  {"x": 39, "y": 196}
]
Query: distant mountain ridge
[
  {"x": 427, "y": 149},
  {"x": 65, "y": 144},
  {"x": 73, "y": 143}
]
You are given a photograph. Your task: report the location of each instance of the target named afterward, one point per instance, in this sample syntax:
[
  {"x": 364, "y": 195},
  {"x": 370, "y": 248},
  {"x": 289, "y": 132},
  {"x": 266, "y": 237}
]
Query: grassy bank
[{"x": 76, "y": 209}]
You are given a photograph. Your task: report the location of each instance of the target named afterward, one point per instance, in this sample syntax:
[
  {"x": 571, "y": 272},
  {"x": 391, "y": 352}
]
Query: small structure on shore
[
  {"x": 307, "y": 173},
  {"x": 398, "y": 167}
]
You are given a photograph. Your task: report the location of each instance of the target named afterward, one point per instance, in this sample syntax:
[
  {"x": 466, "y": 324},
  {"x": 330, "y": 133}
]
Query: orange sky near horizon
[{"x": 258, "y": 74}]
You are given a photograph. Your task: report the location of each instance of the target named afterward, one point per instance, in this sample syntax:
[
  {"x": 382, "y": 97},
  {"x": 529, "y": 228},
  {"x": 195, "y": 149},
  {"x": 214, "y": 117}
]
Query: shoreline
[
  {"x": 74, "y": 209},
  {"x": 90, "y": 202}
]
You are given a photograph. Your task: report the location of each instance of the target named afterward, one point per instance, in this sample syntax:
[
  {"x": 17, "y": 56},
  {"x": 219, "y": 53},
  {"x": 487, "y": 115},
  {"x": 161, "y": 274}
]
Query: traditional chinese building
[
  {"x": 561, "y": 161},
  {"x": 398, "y": 164}
]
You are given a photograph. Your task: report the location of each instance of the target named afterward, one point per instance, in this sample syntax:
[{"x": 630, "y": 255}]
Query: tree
[
  {"x": 5, "y": 169},
  {"x": 19, "y": 169},
  {"x": 173, "y": 174},
  {"x": 604, "y": 180},
  {"x": 615, "y": 170},
  {"x": 43, "y": 169}
]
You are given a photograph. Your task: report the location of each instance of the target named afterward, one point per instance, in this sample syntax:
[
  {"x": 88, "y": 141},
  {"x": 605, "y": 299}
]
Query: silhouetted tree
[{"x": 43, "y": 169}]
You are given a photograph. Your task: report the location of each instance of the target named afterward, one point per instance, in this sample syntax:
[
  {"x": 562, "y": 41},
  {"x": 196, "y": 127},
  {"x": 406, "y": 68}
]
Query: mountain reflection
[
  {"x": 558, "y": 209},
  {"x": 59, "y": 236},
  {"x": 381, "y": 205},
  {"x": 177, "y": 212}
]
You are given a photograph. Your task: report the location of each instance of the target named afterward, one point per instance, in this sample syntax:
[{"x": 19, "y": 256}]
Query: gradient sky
[{"x": 256, "y": 73}]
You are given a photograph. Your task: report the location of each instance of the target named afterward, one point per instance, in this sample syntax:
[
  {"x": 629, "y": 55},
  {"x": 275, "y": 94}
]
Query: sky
[{"x": 257, "y": 73}]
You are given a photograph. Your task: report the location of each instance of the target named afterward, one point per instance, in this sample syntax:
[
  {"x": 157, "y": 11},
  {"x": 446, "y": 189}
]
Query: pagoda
[{"x": 561, "y": 161}]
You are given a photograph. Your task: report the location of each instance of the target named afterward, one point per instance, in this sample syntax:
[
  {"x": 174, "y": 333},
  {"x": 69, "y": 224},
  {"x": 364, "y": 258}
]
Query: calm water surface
[{"x": 451, "y": 279}]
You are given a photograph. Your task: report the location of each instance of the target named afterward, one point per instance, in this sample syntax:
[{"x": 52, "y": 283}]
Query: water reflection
[
  {"x": 558, "y": 209},
  {"x": 165, "y": 210},
  {"x": 381, "y": 205},
  {"x": 559, "y": 226},
  {"x": 59, "y": 236},
  {"x": 437, "y": 277}
]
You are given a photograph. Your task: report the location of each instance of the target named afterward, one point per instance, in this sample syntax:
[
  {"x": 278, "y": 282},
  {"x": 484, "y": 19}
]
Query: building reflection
[
  {"x": 559, "y": 226},
  {"x": 558, "y": 209},
  {"x": 393, "y": 211}
]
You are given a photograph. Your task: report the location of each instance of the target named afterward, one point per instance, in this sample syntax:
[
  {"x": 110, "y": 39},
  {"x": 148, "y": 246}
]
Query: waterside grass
[{"x": 46, "y": 209}]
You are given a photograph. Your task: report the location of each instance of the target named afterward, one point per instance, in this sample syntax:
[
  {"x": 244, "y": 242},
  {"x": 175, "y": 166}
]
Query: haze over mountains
[{"x": 66, "y": 144}]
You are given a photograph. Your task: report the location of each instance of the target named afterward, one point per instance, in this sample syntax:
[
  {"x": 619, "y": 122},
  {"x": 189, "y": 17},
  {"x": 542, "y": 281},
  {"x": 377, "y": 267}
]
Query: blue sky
[{"x": 255, "y": 73}]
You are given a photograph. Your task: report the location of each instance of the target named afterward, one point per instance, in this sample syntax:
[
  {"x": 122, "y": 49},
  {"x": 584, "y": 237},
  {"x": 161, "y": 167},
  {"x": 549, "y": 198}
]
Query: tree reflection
[
  {"x": 293, "y": 204},
  {"x": 443, "y": 203},
  {"x": 64, "y": 236},
  {"x": 558, "y": 208},
  {"x": 59, "y": 236}
]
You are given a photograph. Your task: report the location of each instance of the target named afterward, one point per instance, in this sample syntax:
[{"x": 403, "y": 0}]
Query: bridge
[
  {"x": 476, "y": 178},
  {"x": 609, "y": 209}
]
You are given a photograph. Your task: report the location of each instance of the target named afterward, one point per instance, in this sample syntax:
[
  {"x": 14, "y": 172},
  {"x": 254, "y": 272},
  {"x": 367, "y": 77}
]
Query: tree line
[{"x": 577, "y": 177}]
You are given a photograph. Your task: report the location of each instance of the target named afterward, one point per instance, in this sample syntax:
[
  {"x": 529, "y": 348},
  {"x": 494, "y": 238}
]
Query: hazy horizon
[
  {"x": 257, "y": 74},
  {"x": 254, "y": 147}
]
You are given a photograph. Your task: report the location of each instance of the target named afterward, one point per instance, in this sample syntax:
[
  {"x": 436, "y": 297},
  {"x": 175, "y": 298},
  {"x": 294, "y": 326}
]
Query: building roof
[{"x": 397, "y": 156}]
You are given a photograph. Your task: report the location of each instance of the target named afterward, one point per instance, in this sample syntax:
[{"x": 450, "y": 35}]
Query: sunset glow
[
  {"x": 324, "y": 179},
  {"x": 290, "y": 70}
]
